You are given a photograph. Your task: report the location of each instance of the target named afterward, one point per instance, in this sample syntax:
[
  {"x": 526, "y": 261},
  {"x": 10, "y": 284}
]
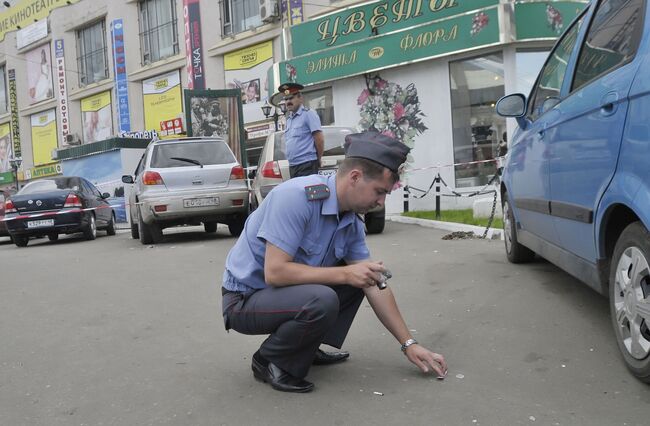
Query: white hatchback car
[
  {"x": 187, "y": 181},
  {"x": 273, "y": 169}
]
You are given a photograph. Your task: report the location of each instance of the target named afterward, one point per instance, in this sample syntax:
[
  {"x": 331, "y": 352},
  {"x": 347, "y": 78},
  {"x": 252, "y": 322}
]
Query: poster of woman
[{"x": 39, "y": 74}]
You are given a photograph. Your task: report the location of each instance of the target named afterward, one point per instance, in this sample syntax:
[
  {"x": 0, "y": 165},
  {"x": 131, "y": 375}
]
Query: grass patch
[{"x": 465, "y": 216}]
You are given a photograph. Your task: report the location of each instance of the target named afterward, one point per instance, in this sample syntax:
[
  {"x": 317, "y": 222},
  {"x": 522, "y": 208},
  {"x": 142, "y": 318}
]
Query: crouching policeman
[{"x": 282, "y": 276}]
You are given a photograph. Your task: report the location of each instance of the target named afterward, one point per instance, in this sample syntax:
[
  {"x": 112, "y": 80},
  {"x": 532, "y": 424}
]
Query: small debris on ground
[{"x": 460, "y": 235}]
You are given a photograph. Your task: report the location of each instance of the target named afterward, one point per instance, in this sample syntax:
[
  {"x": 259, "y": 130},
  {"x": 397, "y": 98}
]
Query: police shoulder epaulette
[{"x": 317, "y": 192}]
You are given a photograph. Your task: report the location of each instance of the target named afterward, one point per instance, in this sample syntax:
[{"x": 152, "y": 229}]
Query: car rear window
[
  {"x": 334, "y": 140},
  {"x": 54, "y": 184},
  {"x": 206, "y": 152}
]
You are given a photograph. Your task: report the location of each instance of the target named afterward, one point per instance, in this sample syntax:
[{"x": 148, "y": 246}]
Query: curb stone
[{"x": 493, "y": 234}]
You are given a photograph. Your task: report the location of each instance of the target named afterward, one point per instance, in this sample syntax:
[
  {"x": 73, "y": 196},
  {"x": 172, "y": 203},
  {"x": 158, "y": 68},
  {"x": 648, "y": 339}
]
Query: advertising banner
[
  {"x": 61, "y": 89},
  {"x": 24, "y": 12},
  {"x": 121, "y": 83},
  {"x": 97, "y": 117},
  {"x": 245, "y": 70},
  {"x": 44, "y": 171},
  {"x": 292, "y": 11},
  {"x": 13, "y": 104},
  {"x": 463, "y": 32},
  {"x": 544, "y": 19},
  {"x": 4, "y": 106},
  {"x": 44, "y": 139},
  {"x": 6, "y": 172},
  {"x": 162, "y": 99},
  {"x": 39, "y": 74},
  {"x": 193, "y": 45}
]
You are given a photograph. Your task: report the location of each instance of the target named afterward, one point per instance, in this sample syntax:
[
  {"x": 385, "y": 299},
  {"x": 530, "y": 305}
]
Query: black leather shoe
[
  {"x": 279, "y": 379},
  {"x": 327, "y": 358}
]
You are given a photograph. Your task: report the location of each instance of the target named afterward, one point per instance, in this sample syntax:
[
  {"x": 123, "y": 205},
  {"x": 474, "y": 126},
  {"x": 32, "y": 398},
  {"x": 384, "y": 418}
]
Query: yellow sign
[
  {"x": 162, "y": 100},
  {"x": 249, "y": 57},
  {"x": 96, "y": 102},
  {"x": 44, "y": 136},
  {"x": 43, "y": 171},
  {"x": 24, "y": 12}
]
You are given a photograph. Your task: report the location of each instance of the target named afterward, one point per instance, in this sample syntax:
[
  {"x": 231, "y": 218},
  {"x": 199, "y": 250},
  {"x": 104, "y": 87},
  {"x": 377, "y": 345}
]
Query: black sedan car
[
  {"x": 4, "y": 194},
  {"x": 58, "y": 205}
]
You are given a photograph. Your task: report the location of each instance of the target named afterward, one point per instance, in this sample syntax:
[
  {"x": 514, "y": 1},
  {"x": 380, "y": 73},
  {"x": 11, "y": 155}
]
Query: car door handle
[{"x": 609, "y": 103}]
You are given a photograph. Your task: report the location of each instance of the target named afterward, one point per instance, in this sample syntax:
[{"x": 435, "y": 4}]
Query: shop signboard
[
  {"x": 61, "y": 88},
  {"x": 375, "y": 18},
  {"x": 121, "y": 82},
  {"x": 31, "y": 34},
  {"x": 193, "y": 45},
  {"x": 97, "y": 117},
  {"x": 6, "y": 172},
  {"x": 24, "y": 12},
  {"x": 162, "y": 100},
  {"x": 543, "y": 19},
  {"x": 44, "y": 139},
  {"x": 461, "y": 33},
  {"x": 44, "y": 171},
  {"x": 13, "y": 104}
]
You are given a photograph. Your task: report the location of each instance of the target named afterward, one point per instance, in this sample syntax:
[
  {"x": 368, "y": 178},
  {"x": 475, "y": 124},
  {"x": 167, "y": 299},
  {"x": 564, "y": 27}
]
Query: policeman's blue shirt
[
  {"x": 299, "y": 136},
  {"x": 312, "y": 232}
]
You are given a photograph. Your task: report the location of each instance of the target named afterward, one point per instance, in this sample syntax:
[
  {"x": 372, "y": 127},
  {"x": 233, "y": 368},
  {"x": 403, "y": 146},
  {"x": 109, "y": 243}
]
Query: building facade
[{"x": 429, "y": 72}]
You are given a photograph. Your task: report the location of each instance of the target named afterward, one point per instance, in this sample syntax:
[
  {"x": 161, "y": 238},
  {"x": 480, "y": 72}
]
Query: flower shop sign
[
  {"x": 377, "y": 17},
  {"x": 461, "y": 33},
  {"x": 545, "y": 20}
]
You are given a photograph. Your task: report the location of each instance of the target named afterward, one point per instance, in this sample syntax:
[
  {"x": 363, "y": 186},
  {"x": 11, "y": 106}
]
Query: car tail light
[
  {"x": 160, "y": 208},
  {"x": 72, "y": 201},
  {"x": 237, "y": 172},
  {"x": 238, "y": 202},
  {"x": 271, "y": 169},
  {"x": 152, "y": 178},
  {"x": 9, "y": 207}
]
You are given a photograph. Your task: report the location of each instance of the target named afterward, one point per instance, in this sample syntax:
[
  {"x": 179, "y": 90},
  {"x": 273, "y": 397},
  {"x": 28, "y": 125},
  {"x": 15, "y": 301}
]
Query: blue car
[{"x": 576, "y": 181}]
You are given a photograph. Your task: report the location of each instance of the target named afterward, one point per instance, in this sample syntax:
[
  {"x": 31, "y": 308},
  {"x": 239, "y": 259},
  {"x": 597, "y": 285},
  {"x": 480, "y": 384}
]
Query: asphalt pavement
[{"x": 111, "y": 332}]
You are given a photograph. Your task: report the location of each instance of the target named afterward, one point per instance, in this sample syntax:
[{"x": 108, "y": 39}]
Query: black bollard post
[
  {"x": 406, "y": 198},
  {"x": 438, "y": 196}
]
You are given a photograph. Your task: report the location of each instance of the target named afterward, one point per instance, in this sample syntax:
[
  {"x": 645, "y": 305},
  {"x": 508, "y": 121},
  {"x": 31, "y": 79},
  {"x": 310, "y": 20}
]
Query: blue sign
[{"x": 121, "y": 82}]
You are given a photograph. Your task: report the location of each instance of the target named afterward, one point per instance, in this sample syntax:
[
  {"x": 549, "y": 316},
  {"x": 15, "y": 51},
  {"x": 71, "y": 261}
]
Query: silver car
[
  {"x": 273, "y": 169},
  {"x": 187, "y": 181}
]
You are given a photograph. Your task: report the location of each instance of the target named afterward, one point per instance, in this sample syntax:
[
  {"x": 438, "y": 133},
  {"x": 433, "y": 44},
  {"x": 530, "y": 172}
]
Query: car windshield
[
  {"x": 52, "y": 184},
  {"x": 205, "y": 152},
  {"x": 334, "y": 140}
]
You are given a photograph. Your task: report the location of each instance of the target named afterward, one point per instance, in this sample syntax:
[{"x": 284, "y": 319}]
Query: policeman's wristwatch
[{"x": 408, "y": 343}]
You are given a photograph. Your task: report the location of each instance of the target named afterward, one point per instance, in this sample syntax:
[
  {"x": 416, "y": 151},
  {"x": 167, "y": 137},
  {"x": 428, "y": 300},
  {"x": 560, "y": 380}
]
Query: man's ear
[{"x": 355, "y": 175}]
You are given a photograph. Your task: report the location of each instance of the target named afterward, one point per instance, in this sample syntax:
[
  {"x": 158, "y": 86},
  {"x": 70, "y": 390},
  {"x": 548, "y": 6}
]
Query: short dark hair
[{"x": 370, "y": 169}]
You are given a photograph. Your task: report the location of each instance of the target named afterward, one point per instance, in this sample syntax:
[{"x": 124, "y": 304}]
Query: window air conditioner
[
  {"x": 269, "y": 11},
  {"x": 72, "y": 139}
]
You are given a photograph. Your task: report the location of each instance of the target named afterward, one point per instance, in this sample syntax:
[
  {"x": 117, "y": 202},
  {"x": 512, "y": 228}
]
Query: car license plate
[
  {"x": 40, "y": 223},
  {"x": 201, "y": 202},
  {"x": 327, "y": 172}
]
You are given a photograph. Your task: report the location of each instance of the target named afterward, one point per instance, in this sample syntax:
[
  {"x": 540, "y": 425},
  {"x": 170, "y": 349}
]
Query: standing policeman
[
  {"x": 304, "y": 137},
  {"x": 301, "y": 267}
]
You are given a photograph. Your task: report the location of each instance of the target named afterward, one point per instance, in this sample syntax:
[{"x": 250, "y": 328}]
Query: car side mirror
[
  {"x": 512, "y": 106},
  {"x": 127, "y": 179},
  {"x": 106, "y": 195},
  {"x": 252, "y": 174}
]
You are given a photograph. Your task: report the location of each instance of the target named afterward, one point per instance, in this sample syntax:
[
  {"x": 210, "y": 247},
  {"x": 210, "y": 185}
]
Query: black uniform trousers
[
  {"x": 304, "y": 169},
  {"x": 297, "y": 318}
]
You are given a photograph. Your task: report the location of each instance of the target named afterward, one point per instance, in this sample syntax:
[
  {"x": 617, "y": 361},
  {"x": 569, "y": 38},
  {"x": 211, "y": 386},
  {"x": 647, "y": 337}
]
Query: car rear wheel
[
  {"x": 629, "y": 298},
  {"x": 515, "y": 252},
  {"x": 90, "y": 231},
  {"x": 53, "y": 237},
  {"x": 236, "y": 225},
  {"x": 375, "y": 222},
  {"x": 21, "y": 240},
  {"x": 110, "y": 229},
  {"x": 210, "y": 227},
  {"x": 135, "y": 234},
  {"x": 149, "y": 234}
]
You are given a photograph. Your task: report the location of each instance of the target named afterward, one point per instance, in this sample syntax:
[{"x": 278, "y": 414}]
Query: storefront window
[
  {"x": 240, "y": 15},
  {"x": 321, "y": 101},
  {"x": 528, "y": 66},
  {"x": 476, "y": 86}
]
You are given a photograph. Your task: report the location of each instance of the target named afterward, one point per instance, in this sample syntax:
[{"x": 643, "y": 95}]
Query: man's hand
[
  {"x": 364, "y": 274},
  {"x": 426, "y": 360}
]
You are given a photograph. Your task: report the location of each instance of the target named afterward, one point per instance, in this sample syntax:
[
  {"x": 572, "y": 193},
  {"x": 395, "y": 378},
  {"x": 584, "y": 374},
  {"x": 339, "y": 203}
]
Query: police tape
[{"x": 440, "y": 166}]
